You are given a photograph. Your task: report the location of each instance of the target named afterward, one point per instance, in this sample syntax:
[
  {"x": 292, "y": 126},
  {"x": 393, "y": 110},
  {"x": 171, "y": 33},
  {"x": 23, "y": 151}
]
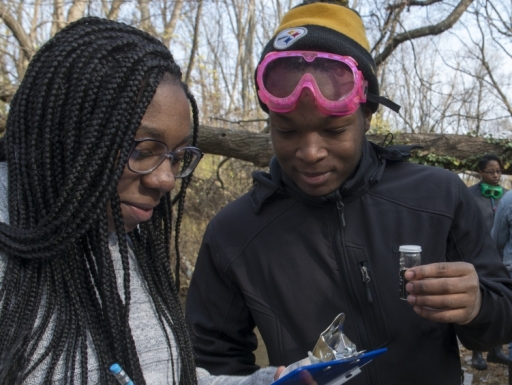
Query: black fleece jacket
[{"x": 288, "y": 263}]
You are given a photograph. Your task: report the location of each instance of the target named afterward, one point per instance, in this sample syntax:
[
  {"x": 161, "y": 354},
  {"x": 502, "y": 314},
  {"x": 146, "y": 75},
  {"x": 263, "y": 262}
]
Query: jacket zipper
[
  {"x": 366, "y": 281},
  {"x": 357, "y": 315},
  {"x": 340, "y": 206}
]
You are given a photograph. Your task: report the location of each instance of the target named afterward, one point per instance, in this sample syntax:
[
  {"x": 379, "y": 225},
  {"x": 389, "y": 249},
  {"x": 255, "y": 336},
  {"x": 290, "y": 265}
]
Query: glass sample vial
[{"x": 410, "y": 256}]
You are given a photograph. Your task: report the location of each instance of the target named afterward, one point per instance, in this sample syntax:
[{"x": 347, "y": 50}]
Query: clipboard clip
[{"x": 333, "y": 344}]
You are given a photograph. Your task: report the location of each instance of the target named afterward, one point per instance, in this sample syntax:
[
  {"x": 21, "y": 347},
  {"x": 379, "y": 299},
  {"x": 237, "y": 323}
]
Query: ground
[{"x": 496, "y": 374}]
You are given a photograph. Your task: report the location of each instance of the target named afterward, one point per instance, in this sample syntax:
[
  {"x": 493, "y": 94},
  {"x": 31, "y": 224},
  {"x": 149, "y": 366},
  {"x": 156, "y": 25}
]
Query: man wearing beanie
[{"x": 320, "y": 234}]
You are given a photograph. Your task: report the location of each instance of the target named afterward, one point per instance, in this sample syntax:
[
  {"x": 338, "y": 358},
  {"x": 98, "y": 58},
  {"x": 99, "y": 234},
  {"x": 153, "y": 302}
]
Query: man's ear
[{"x": 367, "y": 114}]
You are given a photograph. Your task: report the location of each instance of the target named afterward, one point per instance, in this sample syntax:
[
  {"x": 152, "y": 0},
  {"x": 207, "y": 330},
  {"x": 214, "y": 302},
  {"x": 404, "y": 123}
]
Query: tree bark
[
  {"x": 455, "y": 152},
  {"x": 244, "y": 145},
  {"x": 257, "y": 147}
]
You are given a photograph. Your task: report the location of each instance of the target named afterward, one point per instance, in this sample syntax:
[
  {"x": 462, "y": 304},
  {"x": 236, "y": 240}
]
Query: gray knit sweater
[{"x": 155, "y": 358}]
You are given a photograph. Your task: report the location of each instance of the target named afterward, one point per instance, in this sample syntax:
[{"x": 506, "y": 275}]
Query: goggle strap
[{"x": 383, "y": 101}]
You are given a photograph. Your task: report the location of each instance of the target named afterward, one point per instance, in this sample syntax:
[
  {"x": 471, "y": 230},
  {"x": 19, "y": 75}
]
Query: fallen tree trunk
[{"x": 454, "y": 152}]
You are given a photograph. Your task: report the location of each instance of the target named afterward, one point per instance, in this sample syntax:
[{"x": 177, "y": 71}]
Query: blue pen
[{"x": 120, "y": 374}]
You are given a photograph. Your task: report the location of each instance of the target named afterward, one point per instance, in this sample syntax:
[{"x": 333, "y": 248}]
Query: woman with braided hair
[{"x": 85, "y": 212}]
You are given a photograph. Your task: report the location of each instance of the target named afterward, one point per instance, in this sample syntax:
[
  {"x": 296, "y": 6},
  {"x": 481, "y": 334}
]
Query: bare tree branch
[
  {"x": 489, "y": 71},
  {"x": 171, "y": 25},
  {"x": 195, "y": 38},
  {"x": 412, "y": 3},
  {"x": 17, "y": 30},
  {"x": 113, "y": 11},
  {"x": 35, "y": 16},
  {"x": 7, "y": 91},
  {"x": 145, "y": 17},
  {"x": 77, "y": 10},
  {"x": 436, "y": 29},
  {"x": 58, "y": 16}
]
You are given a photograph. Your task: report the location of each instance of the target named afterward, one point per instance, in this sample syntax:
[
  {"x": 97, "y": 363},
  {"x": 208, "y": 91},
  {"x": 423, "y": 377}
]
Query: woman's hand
[
  {"x": 304, "y": 377},
  {"x": 278, "y": 372}
]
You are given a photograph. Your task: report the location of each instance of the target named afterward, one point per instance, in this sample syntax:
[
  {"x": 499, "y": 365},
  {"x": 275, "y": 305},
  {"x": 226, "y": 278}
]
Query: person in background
[
  {"x": 319, "y": 234},
  {"x": 98, "y": 134},
  {"x": 502, "y": 234},
  {"x": 488, "y": 193}
]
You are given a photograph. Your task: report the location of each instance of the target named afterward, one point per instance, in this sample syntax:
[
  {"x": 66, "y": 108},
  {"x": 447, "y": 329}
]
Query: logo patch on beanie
[{"x": 288, "y": 37}]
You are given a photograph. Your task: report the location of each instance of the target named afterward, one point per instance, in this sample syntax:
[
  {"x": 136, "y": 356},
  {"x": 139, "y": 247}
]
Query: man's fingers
[
  {"x": 442, "y": 286},
  {"x": 439, "y": 270},
  {"x": 444, "y": 302},
  {"x": 458, "y": 301},
  {"x": 458, "y": 309},
  {"x": 444, "y": 316}
]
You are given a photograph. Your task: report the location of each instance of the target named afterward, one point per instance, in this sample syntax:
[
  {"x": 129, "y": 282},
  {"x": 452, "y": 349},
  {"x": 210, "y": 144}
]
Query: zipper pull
[
  {"x": 341, "y": 206},
  {"x": 366, "y": 281}
]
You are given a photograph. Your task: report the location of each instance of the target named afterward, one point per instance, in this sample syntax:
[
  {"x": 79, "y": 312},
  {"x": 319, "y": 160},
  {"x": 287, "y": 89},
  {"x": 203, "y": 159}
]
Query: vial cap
[
  {"x": 115, "y": 368},
  {"x": 409, "y": 249}
]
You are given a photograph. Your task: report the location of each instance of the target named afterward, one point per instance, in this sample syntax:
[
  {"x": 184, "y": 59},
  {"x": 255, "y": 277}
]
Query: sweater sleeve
[
  {"x": 222, "y": 325},
  {"x": 470, "y": 241},
  {"x": 4, "y": 211},
  {"x": 261, "y": 377},
  {"x": 4, "y": 194}
]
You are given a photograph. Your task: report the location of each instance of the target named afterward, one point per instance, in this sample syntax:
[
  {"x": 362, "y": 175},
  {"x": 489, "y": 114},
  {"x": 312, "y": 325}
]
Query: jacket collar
[{"x": 368, "y": 172}]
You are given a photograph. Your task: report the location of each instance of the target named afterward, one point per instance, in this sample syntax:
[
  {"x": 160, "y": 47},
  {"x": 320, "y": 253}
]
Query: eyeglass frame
[
  {"x": 169, "y": 155},
  {"x": 492, "y": 172}
]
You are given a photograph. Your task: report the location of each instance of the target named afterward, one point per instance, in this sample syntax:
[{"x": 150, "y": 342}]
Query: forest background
[{"x": 448, "y": 63}]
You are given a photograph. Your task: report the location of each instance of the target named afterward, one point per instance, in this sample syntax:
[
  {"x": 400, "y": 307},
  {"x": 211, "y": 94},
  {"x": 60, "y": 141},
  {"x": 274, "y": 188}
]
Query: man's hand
[{"x": 444, "y": 292}]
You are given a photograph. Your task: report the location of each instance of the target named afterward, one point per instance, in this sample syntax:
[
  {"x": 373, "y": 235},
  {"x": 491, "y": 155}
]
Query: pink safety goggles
[{"x": 334, "y": 80}]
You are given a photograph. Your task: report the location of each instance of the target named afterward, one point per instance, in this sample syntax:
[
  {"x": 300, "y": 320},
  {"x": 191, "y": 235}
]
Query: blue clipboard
[{"x": 334, "y": 372}]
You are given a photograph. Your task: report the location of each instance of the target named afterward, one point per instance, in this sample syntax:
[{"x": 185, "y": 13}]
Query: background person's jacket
[
  {"x": 289, "y": 263},
  {"x": 502, "y": 230},
  {"x": 487, "y": 205}
]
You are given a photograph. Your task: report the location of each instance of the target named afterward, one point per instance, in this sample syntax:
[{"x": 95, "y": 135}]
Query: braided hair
[{"x": 68, "y": 137}]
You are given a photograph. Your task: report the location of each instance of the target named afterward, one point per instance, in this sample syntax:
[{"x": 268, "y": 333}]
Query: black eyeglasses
[
  {"x": 492, "y": 172},
  {"x": 148, "y": 154}
]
